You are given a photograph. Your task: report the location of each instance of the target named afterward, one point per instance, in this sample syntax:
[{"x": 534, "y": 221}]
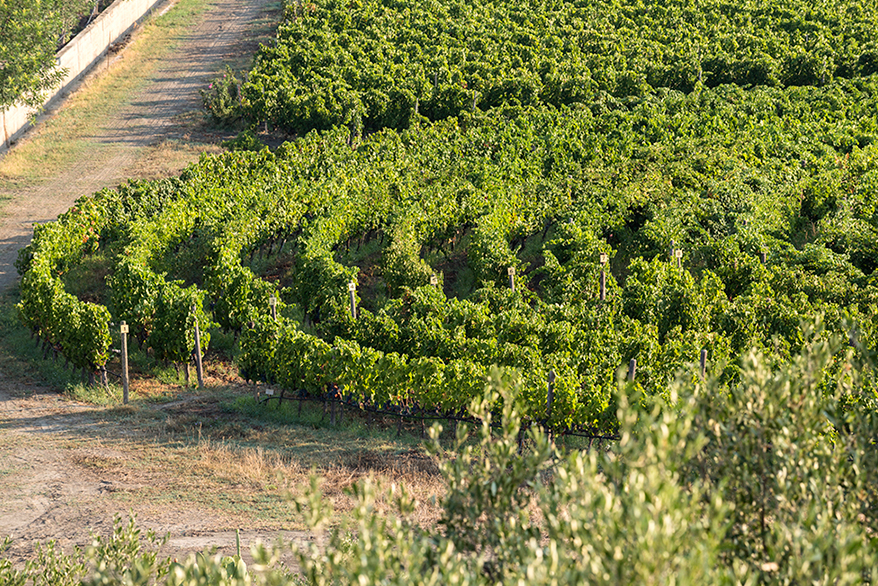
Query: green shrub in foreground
[{"x": 770, "y": 481}]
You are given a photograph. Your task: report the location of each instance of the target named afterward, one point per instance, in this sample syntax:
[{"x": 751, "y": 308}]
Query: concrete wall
[{"x": 78, "y": 56}]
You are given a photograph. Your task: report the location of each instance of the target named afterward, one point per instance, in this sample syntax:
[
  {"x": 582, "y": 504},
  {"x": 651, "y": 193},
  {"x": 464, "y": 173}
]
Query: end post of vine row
[
  {"x": 603, "y": 280},
  {"x": 199, "y": 370},
  {"x": 352, "y": 289},
  {"x": 123, "y": 329}
]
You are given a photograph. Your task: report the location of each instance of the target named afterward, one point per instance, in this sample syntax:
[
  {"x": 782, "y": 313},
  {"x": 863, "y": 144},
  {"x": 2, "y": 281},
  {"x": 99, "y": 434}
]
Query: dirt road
[
  {"x": 158, "y": 112},
  {"x": 58, "y": 480},
  {"x": 67, "y": 469}
]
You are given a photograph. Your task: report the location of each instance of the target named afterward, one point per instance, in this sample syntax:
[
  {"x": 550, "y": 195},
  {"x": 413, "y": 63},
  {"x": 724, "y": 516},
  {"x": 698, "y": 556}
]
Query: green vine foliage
[
  {"x": 177, "y": 311},
  {"x": 388, "y": 64},
  {"x": 722, "y": 173},
  {"x": 79, "y": 329}
]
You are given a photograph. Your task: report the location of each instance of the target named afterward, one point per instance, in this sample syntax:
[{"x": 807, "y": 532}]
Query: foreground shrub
[{"x": 771, "y": 480}]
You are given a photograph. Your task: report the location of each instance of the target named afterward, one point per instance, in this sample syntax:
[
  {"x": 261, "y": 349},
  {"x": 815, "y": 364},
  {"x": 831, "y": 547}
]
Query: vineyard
[
  {"x": 384, "y": 63},
  {"x": 526, "y": 193}
]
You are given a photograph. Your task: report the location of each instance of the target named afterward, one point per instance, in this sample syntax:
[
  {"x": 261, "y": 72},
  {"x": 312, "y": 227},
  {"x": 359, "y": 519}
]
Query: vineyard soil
[{"x": 65, "y": 474}]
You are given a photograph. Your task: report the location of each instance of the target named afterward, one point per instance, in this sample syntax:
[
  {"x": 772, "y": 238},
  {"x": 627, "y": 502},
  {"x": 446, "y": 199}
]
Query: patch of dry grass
[
  {"x": 281, "y": 474},
  {"x": 263, "y": 469},
  {"x": 192, "y": 453},
  {"x": 169, "y": 157}
]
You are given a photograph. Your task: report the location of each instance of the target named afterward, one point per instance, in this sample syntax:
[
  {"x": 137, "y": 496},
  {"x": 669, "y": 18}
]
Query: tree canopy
[{"x": 31, "y": 31}]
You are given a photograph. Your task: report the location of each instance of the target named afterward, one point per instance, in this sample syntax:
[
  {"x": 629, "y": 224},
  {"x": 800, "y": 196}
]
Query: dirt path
[
  {"x": 66, "y": 470},
  {"x": 57, "y": 481},
  {"x": 158, "y": 112}
]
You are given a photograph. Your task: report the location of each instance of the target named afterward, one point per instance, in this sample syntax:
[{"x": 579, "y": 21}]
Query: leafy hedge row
[
  {"x": 725, "y": 175},
  {"x": 386, "y": 63}
]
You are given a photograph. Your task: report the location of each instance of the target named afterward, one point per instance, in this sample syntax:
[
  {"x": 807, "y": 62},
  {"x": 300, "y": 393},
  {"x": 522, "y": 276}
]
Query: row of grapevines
[
  {"x": 297, "y": 360},
  {"x": 387, "y": 63},
  {"x": 79, "y": 330}
]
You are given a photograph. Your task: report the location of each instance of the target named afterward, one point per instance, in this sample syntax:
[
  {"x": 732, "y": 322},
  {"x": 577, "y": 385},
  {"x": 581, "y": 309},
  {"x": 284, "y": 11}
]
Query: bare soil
[{"x": 65, "y": 469}]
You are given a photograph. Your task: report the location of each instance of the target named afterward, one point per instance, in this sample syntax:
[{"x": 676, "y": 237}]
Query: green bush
[
  {"x": 222, "y": 99},
  {"x": 768, "y": 481},
  {"x": 244, "y": 141}
]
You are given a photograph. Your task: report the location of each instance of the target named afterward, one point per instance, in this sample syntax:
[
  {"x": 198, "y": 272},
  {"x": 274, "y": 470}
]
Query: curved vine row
[{"x": 725, "y": 176}]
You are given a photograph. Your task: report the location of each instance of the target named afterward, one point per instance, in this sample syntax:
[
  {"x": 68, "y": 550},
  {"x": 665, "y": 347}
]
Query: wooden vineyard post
[
  {"x": 272, "y": 302},
  {"x": 603, "y": 283},
  {"x": 123, "y": 329},
  {"x": 632, "y": 369},
  {"x": 511, "y": 272},
  {"x": 550, "y": 399},
  {"x": 763, "y": 256},
  {"x": 703, "y": 362},
  {"x": 673, "y": 248},
  {"x": 338, "y": 396},
  {"x": 199, "y": 371},
  {"x": 352, "y": 289}
]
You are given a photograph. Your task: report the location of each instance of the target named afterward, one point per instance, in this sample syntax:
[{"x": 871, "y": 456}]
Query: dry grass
[
  {"x": 193, "y": 453},
  {"x": 282, "y": 473},
  {"x": 168, "y": 157}
]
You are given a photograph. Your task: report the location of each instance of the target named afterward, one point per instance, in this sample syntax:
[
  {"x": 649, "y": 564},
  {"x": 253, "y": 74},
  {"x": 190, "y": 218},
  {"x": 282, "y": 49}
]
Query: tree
[{"x": 31, "y": 31}]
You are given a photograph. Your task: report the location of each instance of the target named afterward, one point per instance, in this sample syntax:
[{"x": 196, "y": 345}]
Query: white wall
[{"x": 78, "y": 56}]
